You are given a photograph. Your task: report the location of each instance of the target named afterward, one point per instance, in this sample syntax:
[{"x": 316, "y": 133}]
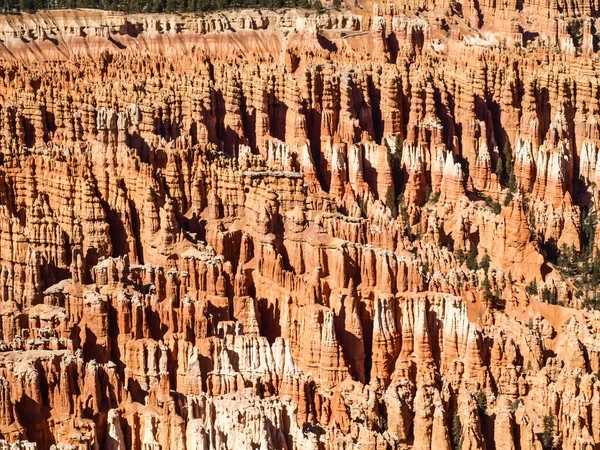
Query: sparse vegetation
[
  {"x": 487, "y": 290},
  {"x": 581, "y": 267},
  {"x": 169, "y": 6},
  {"x": 500, "y": 168},
  {"x": 390, "y": 202},
  {"x": 531, "y": 288},
  {"x": 492, "y": 299},
  {"x": 485, "y": 262},
  {"x": 362, "y": 205},
  {"x": 591, "y": 302},
  {"x": 505, "y": 168},
  {"x": 493, "y": 204},
  {"x": 455, "y": 8},
  {"x": 547, "y": 437},
  {"x": 433, "y": 197},
  {"x": 511, "y": 279},
  {"x": 549, "y": 296},
  {"x": 567, "y": 261},
  {"x": 425, "y": 268},
  {"x": 514, "y": 405},
  {"x": 576, "y": 32},
  {"x": 472, "y": 259},
  {"x": 508, "y": 198},
  {"x": 384, "y": 424},
  {"x": 402, "y": 211},
  {"x": 457, "y": 433},
  {"x": 481, "y": 400}
]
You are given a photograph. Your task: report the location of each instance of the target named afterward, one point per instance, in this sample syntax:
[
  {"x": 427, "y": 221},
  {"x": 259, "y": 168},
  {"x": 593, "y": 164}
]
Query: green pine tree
[
  {"x": 485, "y": 262},
  {"x": 548, "y": 432},
  {"x": 457, "y": 433}
]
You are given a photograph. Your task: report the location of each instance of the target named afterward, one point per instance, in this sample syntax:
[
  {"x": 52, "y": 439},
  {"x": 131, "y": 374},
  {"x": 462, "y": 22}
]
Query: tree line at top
[{"x": 154, "y": 6}]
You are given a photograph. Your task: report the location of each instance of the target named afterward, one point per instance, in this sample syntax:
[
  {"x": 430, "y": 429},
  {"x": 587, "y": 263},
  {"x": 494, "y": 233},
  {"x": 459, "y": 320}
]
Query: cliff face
[{"x": 251, "y": 230}]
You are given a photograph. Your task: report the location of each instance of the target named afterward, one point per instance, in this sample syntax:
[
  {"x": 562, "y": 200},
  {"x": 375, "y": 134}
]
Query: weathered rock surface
[{"x": 248, "y": 230}]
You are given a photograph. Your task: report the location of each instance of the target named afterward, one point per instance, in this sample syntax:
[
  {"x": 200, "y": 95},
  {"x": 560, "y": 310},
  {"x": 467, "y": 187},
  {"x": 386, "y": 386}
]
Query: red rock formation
[{"x": 263, "y": 229}]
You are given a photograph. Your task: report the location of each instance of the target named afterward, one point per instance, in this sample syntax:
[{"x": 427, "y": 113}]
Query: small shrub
[
  {"x": 390, "y": 202},
  {"x": 402, "y": 211},
  {"x": 493, "y": 204},
  {"x": 472, "y": 259},
  {"x": 487, "y": 290},
  {"x": 514, "y": 405},
  {"x": 485, "y": 262},
  {"x": 481, "y": 399},
  {"x": 457, "y": 433},
  {"x": 362, "y": 206},
  {"x": 425, "y": 268},
  {"x": 575, "y": 31},
  {"x": 531, "y": 288},
  {"x": 591, "y": 303},
  {"x": 496, "y": 208},
  {"x": 549, "y": 296},
  {"x": 547, "y": 437},
  {"x": 384, "y": 424}
]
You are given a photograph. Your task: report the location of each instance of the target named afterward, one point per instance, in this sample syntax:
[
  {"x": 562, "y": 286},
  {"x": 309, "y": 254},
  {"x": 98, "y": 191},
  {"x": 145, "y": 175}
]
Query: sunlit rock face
[{"x": 290, "y": 230}]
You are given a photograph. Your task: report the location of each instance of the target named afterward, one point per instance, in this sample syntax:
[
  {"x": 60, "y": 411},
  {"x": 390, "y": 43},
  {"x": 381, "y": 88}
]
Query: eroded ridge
[{"x": 283, "y": 230}]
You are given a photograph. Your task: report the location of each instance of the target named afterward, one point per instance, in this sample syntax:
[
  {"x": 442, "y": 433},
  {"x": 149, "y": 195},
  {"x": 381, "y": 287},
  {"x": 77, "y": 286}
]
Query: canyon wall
[{"x": 284, "y": 230}]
